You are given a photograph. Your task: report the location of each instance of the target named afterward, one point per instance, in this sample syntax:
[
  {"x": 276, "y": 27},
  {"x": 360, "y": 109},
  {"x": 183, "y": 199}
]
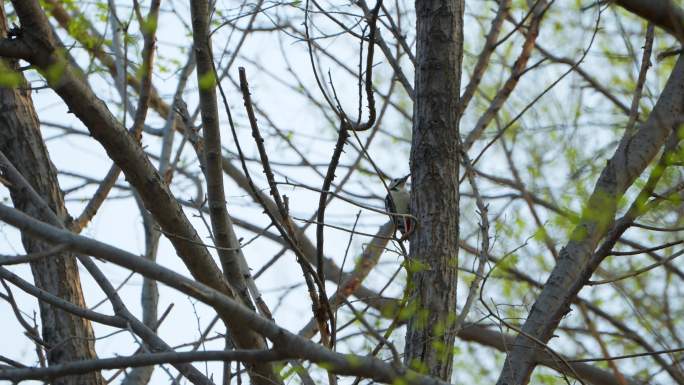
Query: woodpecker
[{"x": 397, "y": 202}]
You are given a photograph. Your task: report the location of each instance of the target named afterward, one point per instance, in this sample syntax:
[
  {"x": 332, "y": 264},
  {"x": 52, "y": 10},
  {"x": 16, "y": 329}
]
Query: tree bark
[
  {"x": 222, "y": 228},
  {"x": 68, "y": 337},
  {"x": 434, "y": 198}
]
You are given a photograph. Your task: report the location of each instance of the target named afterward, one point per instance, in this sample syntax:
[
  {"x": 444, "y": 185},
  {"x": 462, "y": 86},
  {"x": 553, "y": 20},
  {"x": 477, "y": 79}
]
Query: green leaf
[{"x": 207, "y": 81}]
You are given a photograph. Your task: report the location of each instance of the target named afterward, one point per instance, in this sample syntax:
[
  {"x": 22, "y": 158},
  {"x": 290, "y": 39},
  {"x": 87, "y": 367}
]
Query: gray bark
[
  {"x": 434, "y": 200},
  {"x": 69, "y": 338},
  {"x": 221, "y": 225}
]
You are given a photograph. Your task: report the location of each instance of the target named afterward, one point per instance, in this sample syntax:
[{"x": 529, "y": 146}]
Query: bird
[{"x": 398, "y": 201}]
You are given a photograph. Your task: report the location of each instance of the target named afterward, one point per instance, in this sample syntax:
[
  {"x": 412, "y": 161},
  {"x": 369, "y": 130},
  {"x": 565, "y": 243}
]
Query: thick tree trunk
[
  {"x": 434, "y": 198},
  {"x": 68, "y": 338}
]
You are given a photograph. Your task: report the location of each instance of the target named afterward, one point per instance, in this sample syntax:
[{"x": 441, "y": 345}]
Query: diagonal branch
[
  {"x": 120, "y": 309},
  {"x": 517, "y": 71},
  {"x": 294, "y": 345},
  {"x": 135, "y": 361},
  {"x": 130, "y": 157},
  {"x": 574, "y": 267},
  {"x": 663, "y": 13},
  {"x": 282, "y": 221},
  {"x": 14, "y": 48}
]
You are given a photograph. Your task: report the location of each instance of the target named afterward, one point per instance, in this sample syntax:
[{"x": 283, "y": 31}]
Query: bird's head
[{"x": 398, "y": 184}]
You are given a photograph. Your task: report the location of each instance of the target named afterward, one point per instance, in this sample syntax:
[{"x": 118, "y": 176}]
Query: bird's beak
[{"x": 405, "y": 178}]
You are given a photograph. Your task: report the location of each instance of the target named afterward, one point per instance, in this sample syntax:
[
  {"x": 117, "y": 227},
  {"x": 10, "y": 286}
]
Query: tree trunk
[
  {"x": 434, "y": 198},
  {"x": 68, "y": 337}
]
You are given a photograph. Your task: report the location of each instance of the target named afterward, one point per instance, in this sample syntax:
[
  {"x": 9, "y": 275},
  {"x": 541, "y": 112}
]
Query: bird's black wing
[
  {"x": 389, "y": 205},
  {"x": 391, "y": 208}
]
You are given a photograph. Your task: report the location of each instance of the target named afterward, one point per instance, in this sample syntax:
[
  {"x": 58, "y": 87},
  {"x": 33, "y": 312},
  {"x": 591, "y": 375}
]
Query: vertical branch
[
  {"x": 165, "y": 164},
  {"x": 149, "y": 297},
  {"x": 224, "y": 235},
  {"x": 149, "y": 29},
  {"x": 320, "y": 218},
  {"x": 434, "y": 195},
  {"x": 229, "y": 249}
]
